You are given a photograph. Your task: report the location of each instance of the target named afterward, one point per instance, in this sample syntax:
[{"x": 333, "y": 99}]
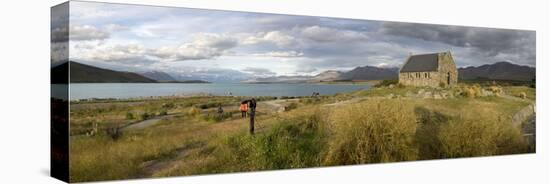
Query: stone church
[{"x": 434, "y": 70}]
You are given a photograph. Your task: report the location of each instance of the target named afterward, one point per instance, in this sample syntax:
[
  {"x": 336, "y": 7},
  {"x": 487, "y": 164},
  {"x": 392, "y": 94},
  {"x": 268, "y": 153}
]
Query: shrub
[
  {"x": 163, "y": 113},
  {"x": 471, "y": 91},
  {"x": 372, "y": 132},
  {"x": 208, "y": 105},
  {"x": 291, "y": 106},
  {"x": 144, "y": 116},
  {"x": 168, "y": 105},
  {"x": 522, "y": 95},
  {"x": 193, "y": 112},
  {"x": 399, "y": 85},
  {"x": 129, "y": 116},
  {"x": 215, "y": 117},
  {"x": 114, "y": 132},
  {"x": 384, "y": 83}
]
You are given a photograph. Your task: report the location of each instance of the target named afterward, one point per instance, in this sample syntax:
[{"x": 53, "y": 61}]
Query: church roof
[{"x": 421, "y": 63}]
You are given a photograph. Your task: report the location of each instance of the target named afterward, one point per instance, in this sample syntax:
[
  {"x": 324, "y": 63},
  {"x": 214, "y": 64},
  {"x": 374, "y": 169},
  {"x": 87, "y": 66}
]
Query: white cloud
[
  {"x": 280, "y": 54},
  {"x": 259, "y": 71},
  {"x": 115, "y": 53},
  {"x": 86, "y": 32},
  {"x": 203, "y": 46},
  {"x": 115, "y": 27},
  {"x": 325, "y": 34},
  {"x": 275, "y": 37}
]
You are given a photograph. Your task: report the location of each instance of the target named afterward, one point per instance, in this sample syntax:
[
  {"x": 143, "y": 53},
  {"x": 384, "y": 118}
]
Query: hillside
[
  {"x": 329, "y": 75},
  {"x": 359, "y": 73},
  {"x": 498, "y": 71},
  {"x": 370, "y": 73},
  {"x": 158, "y": 76},
  {"x": 81, "y": 73}
]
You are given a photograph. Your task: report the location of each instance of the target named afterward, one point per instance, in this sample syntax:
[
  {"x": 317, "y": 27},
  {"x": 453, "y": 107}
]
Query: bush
[
  {"x": 144, "y": 116},
  {"x": 522, "y": 95},
  {"x": 215, "y": 117},
  {"x": 372, "y": 132},
  {"x": 114, "y": 132},
  {"x": 208, "y": 105},
  {"x": 495, "y": 89},
  {"x": 291, "y": 106},
  {"x": 163, "y": 113},
  {"x": 168, "y": 105},
  {"x": 193, "y": 112},
  {"x": 129, "y": 116},
  {"x": 471, "y": 91},
  {"x": 384, "y": 83}
]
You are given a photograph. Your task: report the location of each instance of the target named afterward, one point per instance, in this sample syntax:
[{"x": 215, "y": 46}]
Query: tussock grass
[
  {"x": 472, "y": 135},
  {"x": 521, "y": 91},
  {"x": 372, "y": 132}
]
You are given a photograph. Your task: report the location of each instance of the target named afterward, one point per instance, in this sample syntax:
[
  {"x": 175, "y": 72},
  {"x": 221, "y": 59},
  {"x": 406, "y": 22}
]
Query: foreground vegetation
[{"x": 353, "y": 128}]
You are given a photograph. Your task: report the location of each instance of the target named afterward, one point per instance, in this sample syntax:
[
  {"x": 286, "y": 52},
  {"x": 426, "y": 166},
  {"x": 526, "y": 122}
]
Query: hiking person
[
  {"x": 252, "y": 114},
  {"x": 244, "y": 108}
]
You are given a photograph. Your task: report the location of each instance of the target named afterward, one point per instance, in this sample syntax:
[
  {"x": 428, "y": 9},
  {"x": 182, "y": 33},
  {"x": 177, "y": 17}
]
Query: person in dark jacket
[{"x": 252, "y": 113}]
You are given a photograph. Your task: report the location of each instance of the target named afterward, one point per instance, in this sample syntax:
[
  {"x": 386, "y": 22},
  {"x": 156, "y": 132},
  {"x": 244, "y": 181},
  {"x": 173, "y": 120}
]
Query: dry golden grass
[
  {"x": 371, "y": 132},
  {"x": 473, "y": 135}
]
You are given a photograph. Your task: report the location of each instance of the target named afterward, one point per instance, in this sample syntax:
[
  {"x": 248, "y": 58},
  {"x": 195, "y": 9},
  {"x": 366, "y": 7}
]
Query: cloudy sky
[{"x": 191, "y": 41}]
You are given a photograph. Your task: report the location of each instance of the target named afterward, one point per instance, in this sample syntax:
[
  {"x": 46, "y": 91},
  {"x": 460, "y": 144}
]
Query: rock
[
  {"x": 427, "y": 94},
  {"x": 391, "y": 86},
  {"x": 486, "y": 93}
]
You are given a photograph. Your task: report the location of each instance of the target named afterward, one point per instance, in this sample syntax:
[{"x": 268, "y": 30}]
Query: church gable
[{"x": 435, "y": 70}]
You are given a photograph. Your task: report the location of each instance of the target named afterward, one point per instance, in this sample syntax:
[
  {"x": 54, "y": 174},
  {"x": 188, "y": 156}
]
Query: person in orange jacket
[{"x": 244, "y": 109}]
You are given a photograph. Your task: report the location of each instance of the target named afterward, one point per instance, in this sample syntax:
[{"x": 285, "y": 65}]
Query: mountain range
[
  {"x": 498, "y": 71},
  {"x": 82, "y": 73},
  {"x": 357, "y": 74},
  {"x": 158, "y": 76}
]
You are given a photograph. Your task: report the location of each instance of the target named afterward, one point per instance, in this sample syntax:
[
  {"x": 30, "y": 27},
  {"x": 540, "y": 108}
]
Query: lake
[{"x": 133, "y": 90}]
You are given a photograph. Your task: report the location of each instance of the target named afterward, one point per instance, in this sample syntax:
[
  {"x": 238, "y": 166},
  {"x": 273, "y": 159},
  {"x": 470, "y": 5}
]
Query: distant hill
[
  {"x": 371, "y": 73},
  {"x": 359, "y": 73},
  {"x": 329, "y": 75},
  {"x": 279, "y": 79},
  {"x": 158, "y": 76},
  {"x": 81, "y": 73},
  {"x": 498, "y": 71}
]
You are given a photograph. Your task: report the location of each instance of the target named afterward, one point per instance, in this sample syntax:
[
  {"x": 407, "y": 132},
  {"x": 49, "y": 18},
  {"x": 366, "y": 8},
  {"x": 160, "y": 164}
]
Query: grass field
[{"x": 353, "y": 128}]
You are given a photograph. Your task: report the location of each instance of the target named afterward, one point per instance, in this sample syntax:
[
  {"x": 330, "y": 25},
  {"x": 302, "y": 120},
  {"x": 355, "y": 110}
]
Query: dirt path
[
  {"x": 273, "y": 105},
  {"x": 147, "y": 122},
  {"x": 151, "y": 167}
]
